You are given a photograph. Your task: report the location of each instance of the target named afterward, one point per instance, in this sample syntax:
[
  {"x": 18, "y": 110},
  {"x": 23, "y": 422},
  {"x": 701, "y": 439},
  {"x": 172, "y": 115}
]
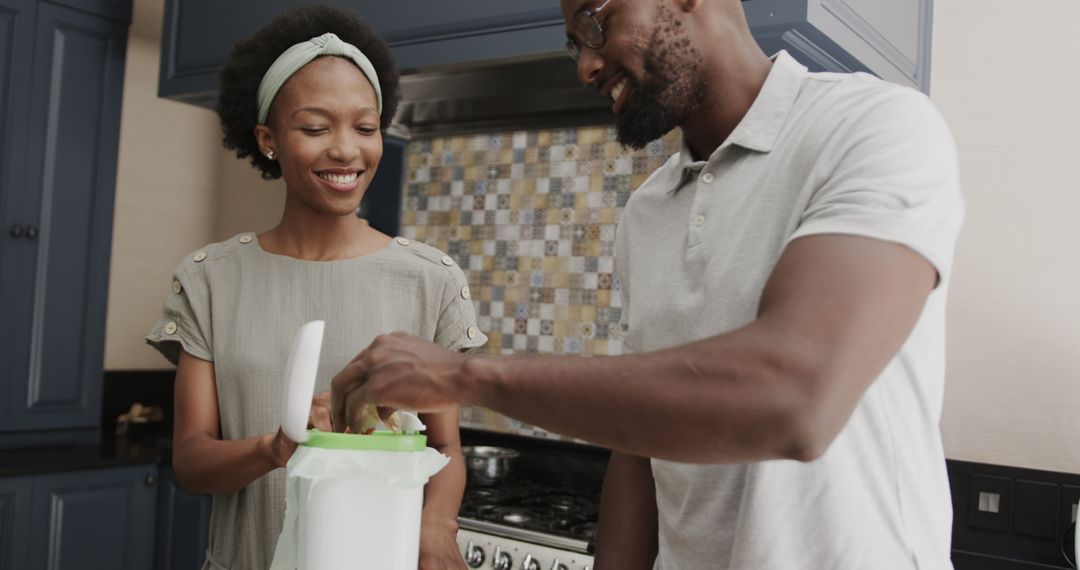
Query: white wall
[{"x": 1004, "y": 75}]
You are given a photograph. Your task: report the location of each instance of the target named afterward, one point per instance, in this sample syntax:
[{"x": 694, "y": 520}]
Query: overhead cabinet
[
  {"x": 888, "y": 37},
  {"x": 61, "y": 78}
]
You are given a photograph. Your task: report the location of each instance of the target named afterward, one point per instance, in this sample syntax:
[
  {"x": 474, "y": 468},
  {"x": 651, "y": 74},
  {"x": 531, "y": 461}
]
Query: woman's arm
[
  {"x": 628, "y": 523},
  {"x": 442, "y": 495},
  {"x": 202, "y": 461}
]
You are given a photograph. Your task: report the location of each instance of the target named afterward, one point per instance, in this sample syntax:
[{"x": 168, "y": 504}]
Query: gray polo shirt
[{"x": 817, "y": 153}]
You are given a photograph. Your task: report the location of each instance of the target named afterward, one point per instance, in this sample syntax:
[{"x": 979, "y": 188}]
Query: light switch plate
[{"x": 991, "y": 502}]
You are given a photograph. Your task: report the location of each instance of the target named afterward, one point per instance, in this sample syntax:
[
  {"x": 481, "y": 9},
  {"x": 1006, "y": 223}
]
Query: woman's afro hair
[{"x": 252, "y": 56}]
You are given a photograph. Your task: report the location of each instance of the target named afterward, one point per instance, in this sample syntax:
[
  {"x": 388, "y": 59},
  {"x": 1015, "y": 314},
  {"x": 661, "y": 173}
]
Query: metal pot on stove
[{"x": 488, "y": 465}]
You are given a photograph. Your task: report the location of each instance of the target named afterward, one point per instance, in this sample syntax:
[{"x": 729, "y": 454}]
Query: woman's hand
[
  {"x": 319, "y": 418},
  {"x": 438, "y": 547},
  {"x": 279, "y": 448}
]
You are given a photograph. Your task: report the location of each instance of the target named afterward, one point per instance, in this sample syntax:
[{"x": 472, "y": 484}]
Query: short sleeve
[
  {"x": 456, "y": 329},
  {"x": 184, "y": 322},
  {"x": 895, "y": 179}
]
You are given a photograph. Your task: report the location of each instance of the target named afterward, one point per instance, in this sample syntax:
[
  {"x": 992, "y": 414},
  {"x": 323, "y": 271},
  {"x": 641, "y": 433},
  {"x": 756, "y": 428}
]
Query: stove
[{"x": 526, "y": 524}]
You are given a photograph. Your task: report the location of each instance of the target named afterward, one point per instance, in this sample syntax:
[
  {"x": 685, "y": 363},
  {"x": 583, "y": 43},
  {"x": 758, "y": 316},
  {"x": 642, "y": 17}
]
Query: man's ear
[{"x": 687, "y": 5}]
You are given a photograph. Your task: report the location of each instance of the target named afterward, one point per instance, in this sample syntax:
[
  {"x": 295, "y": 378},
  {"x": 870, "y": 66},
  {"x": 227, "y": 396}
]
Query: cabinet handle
[
  {"x": 31, "y": 232},
  {"x": 16, "y": 231},
  {"x": 150, "y": 480}
]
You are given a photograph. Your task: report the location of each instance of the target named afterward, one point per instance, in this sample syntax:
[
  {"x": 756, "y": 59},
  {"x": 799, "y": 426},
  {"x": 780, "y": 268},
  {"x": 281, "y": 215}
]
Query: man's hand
[{"x": 396, "y": 371}]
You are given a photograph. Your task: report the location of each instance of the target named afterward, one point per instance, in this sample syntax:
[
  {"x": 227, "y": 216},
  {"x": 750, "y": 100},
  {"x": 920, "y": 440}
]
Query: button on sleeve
[
  {"x": 457, "y": 329},
  {"x": 184, "y": 322}
]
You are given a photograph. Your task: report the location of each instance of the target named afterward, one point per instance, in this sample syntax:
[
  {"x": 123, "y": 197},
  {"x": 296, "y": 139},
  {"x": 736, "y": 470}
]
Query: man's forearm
[
  {"x": 628, "y": 525},
  {"x": 719, "y": 400}
]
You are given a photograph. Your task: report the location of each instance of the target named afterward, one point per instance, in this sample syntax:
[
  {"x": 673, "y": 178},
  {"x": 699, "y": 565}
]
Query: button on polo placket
[{"x": 703, "y": 187}]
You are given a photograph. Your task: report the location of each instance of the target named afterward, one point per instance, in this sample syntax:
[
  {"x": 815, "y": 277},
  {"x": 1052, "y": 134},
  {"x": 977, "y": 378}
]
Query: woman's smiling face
[{"x": 323, "y": 129}]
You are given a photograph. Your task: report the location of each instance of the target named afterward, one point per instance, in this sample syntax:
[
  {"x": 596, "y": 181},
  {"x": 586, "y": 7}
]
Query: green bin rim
[{"x": 377, "y": 441}]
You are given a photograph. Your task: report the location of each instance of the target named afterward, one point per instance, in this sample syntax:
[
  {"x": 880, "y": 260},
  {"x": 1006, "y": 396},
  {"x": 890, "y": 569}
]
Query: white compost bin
[{"x": 352, "y": 501}]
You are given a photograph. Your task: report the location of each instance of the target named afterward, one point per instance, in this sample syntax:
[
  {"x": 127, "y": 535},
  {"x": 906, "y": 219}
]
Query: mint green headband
[{"x": 300, "y": 55}]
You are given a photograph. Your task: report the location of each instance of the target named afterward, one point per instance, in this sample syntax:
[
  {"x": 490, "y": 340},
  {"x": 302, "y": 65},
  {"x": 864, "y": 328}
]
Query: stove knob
[
  {"x": 529, "y": 563},
  {"x": 558, "y": 565},
  {"x": 474, "y": 555},
  {"x": 501, "y": 560}
]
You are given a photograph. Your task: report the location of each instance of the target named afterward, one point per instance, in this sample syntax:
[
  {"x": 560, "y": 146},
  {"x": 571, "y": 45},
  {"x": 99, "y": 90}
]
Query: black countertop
[{"x": 56, "y": 458}]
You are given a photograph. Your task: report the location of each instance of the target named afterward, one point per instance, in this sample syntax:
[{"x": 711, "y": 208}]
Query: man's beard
[
  {"x": 671, "y": 90},
  {"x": 645, "y": 117}
]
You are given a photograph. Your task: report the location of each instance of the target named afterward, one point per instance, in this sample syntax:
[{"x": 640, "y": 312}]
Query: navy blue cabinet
[
  {"x": 62, "y": 89},
  {"x": 199, "y": 34},
  {"x": 888, "y": 37},
  {"x": 14, "y": 514},
  {"x": 16, "y": 249},
  {"x": 183, "y": 526},
  {"x": 119, "y": 10},
  {"x": 102, "y": 518}
]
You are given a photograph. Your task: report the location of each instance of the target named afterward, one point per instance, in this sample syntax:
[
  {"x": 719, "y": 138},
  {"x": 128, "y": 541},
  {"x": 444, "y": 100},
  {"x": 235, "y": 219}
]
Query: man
[{"x": 783, "y": 281}]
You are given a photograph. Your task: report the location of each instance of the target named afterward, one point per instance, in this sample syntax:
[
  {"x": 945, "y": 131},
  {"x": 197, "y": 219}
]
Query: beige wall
[
  {"x": 1002, "y": 77},
  {"x": 246, "y": 202},
  {"x": 167, "y": 174},
  {"x": 177, "y": 189}
]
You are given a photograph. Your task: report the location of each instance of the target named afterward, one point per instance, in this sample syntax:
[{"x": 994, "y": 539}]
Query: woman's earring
[{"x": 270, "y": 154}]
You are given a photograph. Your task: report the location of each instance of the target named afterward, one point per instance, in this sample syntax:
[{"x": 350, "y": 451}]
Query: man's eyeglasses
[{"x": 588, "y": 29}]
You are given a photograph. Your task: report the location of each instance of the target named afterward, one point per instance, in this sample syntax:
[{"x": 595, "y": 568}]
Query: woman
[{"x": 305, "y": 98}]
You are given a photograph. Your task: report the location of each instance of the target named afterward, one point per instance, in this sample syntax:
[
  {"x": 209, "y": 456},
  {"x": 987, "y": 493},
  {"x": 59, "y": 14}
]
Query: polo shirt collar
[{"x": 760, "y": 127}]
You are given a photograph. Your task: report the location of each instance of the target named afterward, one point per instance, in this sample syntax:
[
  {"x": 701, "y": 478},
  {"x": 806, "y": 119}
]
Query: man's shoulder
[
  {"x": 853, "y": 94},
  {"x": 836, "y": 110}
]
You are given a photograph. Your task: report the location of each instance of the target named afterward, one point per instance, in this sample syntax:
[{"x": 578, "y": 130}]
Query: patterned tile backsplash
[{"x": 530, "y": 217}]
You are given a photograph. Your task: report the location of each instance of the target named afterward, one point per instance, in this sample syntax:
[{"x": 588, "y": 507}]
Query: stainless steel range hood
[{"x": 541, "y": 93}]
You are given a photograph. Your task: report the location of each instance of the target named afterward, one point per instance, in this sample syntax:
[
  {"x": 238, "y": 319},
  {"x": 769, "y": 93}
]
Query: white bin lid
[{"x": 300, "y": 372}]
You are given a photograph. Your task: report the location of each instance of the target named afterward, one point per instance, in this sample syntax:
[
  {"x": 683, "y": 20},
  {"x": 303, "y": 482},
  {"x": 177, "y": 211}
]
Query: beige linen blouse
[{"x": 237, "y": 305}]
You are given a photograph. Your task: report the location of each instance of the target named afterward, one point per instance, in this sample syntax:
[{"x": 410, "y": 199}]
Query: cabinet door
[
  {"x": 14, "y": 522},
  {"x": 199, "y": 34},
  {"x": 183, "y": 525},
  {"x": 119, "y": 10},
  {"x": 101, "y": 519},
  {"x": 58, "y": 309},
  {"x": 16, "y": 251}
]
